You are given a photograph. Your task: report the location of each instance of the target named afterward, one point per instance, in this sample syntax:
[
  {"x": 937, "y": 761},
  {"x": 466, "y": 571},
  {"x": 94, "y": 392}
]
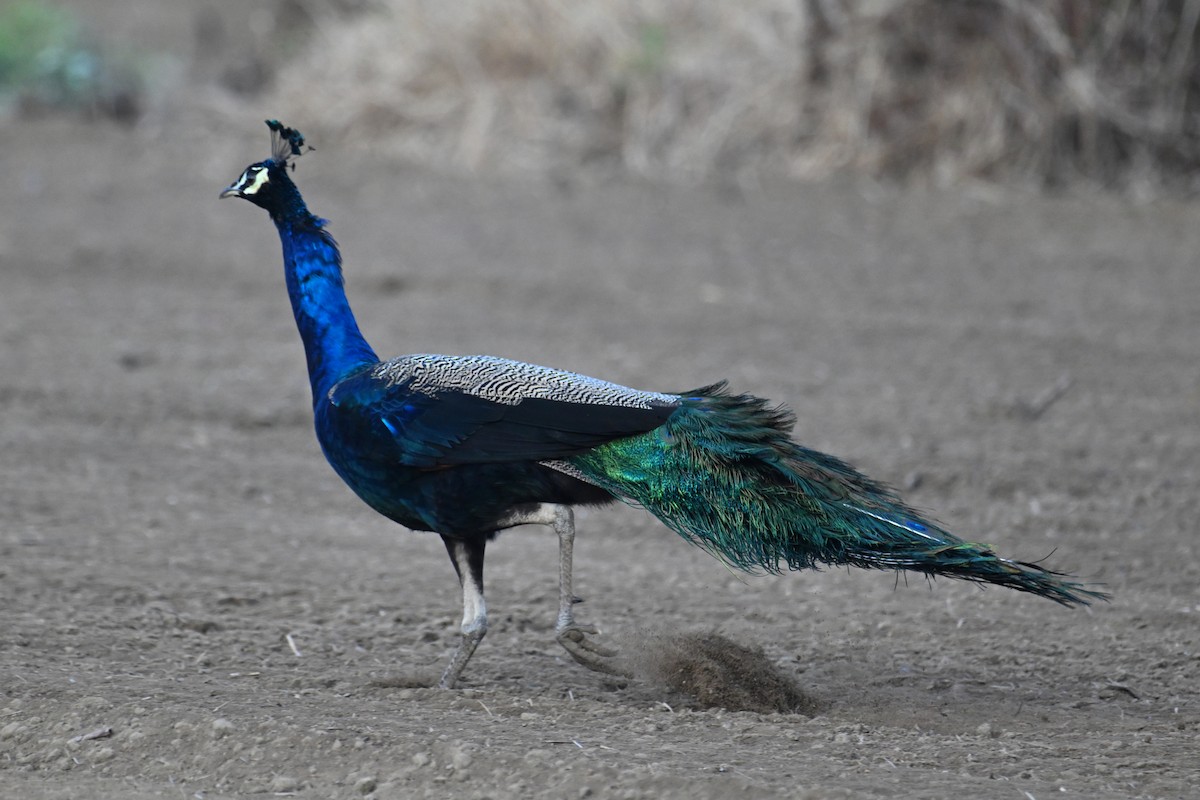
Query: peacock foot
[{"x": 587, "y": 652}]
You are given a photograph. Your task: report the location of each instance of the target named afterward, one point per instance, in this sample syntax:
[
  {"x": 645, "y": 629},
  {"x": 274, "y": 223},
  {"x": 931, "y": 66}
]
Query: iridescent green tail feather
[{"x": 724, "y": 473}]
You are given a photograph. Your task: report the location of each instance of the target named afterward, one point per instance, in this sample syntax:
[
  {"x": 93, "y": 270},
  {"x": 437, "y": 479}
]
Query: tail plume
[{"x": 724, "y": 473}]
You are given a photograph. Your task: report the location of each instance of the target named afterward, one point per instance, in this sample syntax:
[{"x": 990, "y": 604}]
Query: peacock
[{"x": 467, "y": 446}]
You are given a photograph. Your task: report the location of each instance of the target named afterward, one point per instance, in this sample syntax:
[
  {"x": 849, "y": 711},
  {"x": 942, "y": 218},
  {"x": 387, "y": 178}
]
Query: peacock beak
[{"x": 232, "y": 191}]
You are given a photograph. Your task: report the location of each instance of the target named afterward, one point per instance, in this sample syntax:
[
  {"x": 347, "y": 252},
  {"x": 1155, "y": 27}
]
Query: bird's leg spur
[{"x": 573, "y": 635}]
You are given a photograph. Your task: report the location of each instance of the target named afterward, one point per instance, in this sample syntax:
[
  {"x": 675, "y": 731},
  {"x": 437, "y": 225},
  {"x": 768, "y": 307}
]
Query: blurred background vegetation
[
  {"x": 47, "y": 62},
  {"x": 1052, "y": 93}
]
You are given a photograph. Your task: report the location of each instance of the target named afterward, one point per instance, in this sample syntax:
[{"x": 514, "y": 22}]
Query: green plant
[{"x": 36, "y": 40}]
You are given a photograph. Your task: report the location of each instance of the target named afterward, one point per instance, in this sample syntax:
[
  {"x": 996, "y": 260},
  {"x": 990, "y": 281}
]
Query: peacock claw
[
  {"x": 578, "y": 631},
  {"x": 586, "y": 652}
]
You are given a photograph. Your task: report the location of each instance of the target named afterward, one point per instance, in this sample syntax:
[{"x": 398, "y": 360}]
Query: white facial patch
[{"x": 252, "y": 181}]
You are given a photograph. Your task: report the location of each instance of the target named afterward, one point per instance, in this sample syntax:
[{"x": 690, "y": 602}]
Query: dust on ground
[{"x": 716, "y": 672}]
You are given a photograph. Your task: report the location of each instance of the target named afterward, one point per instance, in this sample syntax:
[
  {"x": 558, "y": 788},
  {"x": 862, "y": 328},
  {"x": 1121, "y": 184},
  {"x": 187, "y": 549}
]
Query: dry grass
[{"x": 940, "y": 90}]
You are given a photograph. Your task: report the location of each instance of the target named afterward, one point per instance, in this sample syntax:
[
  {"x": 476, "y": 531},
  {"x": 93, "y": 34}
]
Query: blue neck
[{"x": 313, "y": 266}]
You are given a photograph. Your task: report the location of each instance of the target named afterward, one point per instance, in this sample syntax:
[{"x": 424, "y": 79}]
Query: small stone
[
  {"x": 538, "y": 756},
  {"x": 284, "y": 783},
  {"x": 421, "y": 759},
  {"x": 11, "y": 729},
  {"x": 221, "y": 727},
  {"x": 365, "y": 785},
  {"x": 459, "y": 757},
  {"x": 842, "y": 738},
  {"x": 986, "y": 729},
  {"x": 103, "y": 754}
]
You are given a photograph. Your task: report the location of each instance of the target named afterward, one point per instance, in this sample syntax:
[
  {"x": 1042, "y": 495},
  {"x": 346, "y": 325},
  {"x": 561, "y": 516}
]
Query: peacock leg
[
  {"x": 467, "y": 557},
  {"x": 572, "y": 635}
]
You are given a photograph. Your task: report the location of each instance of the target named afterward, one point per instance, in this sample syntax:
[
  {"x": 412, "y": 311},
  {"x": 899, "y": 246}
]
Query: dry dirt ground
[{"x": 194, "y": 607}]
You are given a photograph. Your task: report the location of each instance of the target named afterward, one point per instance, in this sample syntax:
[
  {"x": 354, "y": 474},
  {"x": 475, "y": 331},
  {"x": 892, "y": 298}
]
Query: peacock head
[{"x": 266, "y": 183}]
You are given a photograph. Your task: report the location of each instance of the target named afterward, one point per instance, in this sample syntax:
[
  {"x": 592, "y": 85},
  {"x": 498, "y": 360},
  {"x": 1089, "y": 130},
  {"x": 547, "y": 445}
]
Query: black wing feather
[{"x": 451, "y": 427}]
